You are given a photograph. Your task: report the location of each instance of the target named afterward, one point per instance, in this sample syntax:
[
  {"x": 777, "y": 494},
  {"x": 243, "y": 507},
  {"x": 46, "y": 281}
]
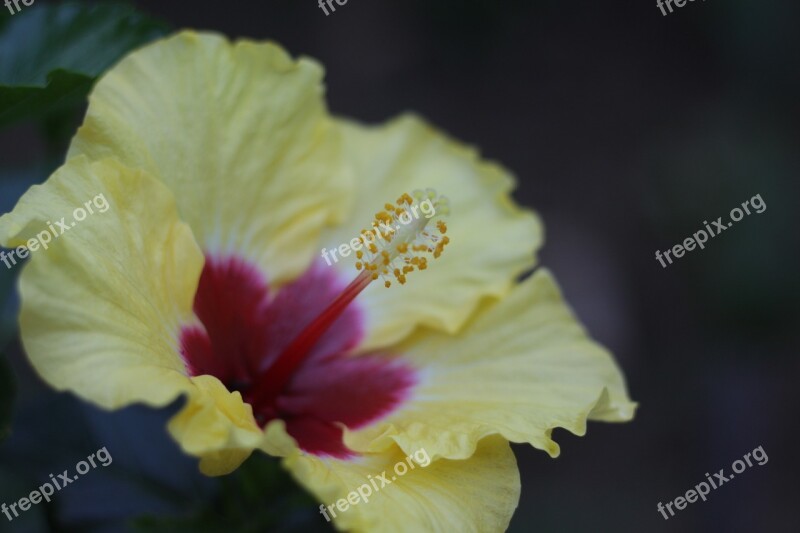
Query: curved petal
[
  {"x": 478, "y": 494},
  {"x": 239, "y": 133},
  {"x": 520, "y": 368},
  {"x": 101, "y": 306},
  {"x": 103, "y": 303},
  {"x": 492, "y": 240},
  {"x": 216, "y": 425}
]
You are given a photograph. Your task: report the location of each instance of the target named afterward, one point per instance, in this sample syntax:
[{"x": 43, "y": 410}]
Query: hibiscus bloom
[{"x": 225, "y": 176}]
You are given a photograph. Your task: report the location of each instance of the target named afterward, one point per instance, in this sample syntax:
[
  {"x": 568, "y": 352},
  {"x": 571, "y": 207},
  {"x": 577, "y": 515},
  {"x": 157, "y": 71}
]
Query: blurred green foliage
[
  {"x": 7, "y": 387},
  {"x": 50, "y": 55},
  {"x": 259, "y": 496}
]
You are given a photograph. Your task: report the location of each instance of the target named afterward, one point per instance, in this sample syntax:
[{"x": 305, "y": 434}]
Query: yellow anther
[{"x": 400, "y": 240}]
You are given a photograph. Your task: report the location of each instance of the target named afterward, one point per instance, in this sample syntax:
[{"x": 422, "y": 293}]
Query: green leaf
[
  {"x": 50, "y": 55},
  {"x": 7, "y": 391},
  {"x": 259, "y": 496},
  {"x": 7, "y": 310}
]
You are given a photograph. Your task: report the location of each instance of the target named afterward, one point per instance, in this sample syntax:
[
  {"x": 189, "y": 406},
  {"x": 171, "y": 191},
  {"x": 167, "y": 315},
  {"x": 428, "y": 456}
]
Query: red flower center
[{"x": 288, "y": 353}]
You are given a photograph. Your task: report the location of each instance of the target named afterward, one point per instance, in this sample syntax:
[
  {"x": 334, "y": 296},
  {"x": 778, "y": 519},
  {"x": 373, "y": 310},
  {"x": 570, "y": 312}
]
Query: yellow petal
[
  {"x": 102, "y": 306},
  {"x": 277, "y": 441},
  {"x": 492, "y": 240},
  {"x": 217, "y": 426},
  {"x": 478, "y": 494},
  {"x": 520, "y": 368},
  {"x": 239, "y": 133}
]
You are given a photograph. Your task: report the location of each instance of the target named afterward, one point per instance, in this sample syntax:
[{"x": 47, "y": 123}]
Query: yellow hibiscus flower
[{"x": 225, "y": 176}]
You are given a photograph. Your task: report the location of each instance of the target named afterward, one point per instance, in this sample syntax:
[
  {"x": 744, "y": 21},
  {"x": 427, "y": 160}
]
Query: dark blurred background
[{"x": 627, "y": 129}]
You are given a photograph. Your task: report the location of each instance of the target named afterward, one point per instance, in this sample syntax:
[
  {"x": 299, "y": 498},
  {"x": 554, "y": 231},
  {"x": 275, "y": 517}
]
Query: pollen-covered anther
[
  {"x": 440, "y": 247},
  {"x": 402, "y": 236},
  {"x": 405, "y": 199}
]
